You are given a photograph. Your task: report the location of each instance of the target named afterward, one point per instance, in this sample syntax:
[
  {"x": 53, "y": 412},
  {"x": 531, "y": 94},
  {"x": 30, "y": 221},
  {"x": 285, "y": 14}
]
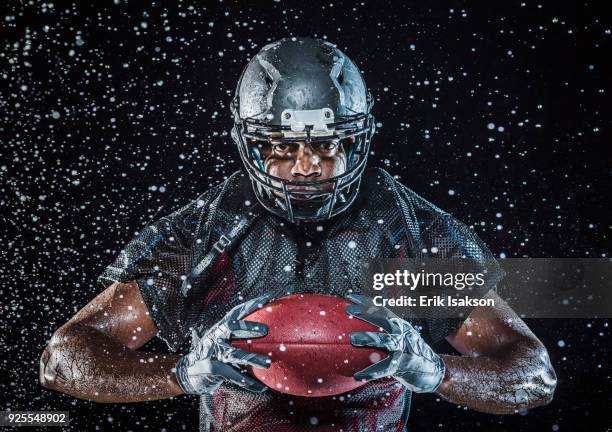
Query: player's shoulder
[
  {"x": 380, "y": 185},
  {"x": 428, "y": 224}
]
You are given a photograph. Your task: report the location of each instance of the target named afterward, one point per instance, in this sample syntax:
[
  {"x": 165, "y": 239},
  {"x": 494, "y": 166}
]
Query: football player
[{"x": 299, "y": 218}]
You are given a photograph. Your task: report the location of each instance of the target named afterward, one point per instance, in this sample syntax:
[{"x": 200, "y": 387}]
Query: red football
[{"x": 308, "y": 342}]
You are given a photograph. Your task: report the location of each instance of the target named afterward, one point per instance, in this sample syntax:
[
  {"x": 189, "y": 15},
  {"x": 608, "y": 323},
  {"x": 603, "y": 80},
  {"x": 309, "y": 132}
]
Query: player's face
[{"x": 301, "y": 161}]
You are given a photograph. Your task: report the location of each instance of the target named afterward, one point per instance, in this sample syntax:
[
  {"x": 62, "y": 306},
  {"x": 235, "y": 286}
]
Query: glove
[
  {"x": 411, "y": 360},
  {"x": 212, "y": 359}
]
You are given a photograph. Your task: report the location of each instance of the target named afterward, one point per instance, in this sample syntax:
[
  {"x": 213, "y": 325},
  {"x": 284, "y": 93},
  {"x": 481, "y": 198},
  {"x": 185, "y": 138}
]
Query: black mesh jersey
[{"x": 387, "y": 220}]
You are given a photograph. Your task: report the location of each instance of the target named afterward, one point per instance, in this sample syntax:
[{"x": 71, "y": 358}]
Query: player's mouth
[{"x": 302, "y": 195}]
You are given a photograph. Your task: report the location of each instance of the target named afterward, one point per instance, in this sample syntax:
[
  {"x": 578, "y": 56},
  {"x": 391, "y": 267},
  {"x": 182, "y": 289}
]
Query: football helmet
[{"x": 303, "y": 90}]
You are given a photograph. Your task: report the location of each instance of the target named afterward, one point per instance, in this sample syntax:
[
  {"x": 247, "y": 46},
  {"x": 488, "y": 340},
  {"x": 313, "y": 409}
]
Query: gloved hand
[
  {"x": 410, "y": 361},
  {"x": 212, "y": 359}
]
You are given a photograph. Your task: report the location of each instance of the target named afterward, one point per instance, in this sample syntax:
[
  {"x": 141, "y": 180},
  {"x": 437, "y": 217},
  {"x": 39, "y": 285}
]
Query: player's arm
[
  {"x": 94, "y": 355},
  {"x": 503, "y": 366}
]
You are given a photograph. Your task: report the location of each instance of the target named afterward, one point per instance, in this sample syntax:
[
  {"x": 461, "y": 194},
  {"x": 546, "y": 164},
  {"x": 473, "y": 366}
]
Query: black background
[{"x": 117, "y": 113}]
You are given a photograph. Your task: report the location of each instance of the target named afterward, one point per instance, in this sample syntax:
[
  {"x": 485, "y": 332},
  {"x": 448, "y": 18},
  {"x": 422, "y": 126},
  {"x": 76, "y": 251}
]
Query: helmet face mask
[{"x": 324, "y": 116}]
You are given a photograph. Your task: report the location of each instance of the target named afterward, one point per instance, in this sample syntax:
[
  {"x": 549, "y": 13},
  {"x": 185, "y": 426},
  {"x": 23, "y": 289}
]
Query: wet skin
[
  {"x": 503, "y": 366},
  {"x": 300, "y": 162},
  {"x": 305, "y": 162}
]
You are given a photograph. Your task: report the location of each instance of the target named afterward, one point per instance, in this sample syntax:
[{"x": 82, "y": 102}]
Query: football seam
[{"x": 298, "y": 344}]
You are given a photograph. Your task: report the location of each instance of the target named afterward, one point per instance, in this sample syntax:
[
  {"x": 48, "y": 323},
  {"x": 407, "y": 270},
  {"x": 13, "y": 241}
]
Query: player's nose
[{"x": 307, "y": 163}]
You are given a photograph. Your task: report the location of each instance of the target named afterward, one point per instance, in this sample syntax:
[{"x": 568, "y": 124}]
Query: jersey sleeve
[
  {"x": 448, "y": 238},
  {"x": 157, "y": 259}
]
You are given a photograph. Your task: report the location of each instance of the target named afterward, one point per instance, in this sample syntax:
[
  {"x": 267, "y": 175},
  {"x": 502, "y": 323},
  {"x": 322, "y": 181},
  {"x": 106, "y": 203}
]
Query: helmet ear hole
[
  {"x": 269, "y": 81},
  {"x": 340, "y": 77}
]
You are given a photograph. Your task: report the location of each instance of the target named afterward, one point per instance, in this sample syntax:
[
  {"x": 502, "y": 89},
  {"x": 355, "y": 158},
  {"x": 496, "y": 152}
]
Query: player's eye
[
  {"x": 281, "y": 147},
  {"x": 325, "y": 146},
  {"x": 284, "y": 149}
]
